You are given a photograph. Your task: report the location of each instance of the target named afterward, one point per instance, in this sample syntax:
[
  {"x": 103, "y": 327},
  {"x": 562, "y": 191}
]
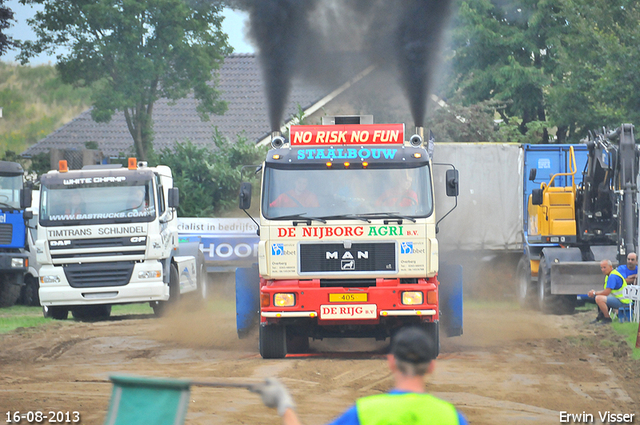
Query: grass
[
  {"x": 29, "y": 317},
  {"x": 630, "y": 332},
  {"x": 21, "y": 317},
  {"x": 35, "y": 102}
]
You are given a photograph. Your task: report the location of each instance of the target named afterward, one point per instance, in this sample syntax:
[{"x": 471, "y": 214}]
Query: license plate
[
  {"x": 349, "y": 311},
  {"x": 347, "y": 298}
]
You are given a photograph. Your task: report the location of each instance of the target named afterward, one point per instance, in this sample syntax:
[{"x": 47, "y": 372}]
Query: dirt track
[{"x": 511, "y": 366}]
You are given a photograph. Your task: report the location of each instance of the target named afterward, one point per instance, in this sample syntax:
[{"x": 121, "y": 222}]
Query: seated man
[
  {"x": 401, "y": 195},
  {"x": 299, "y": 196},
  {"x": 612, "y": 294},
  {"x": 630, "y": 270}
]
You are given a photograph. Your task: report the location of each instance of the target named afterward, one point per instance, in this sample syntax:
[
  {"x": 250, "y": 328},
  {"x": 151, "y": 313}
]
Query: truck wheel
[
  {"x": 297, "y": 344},
  {"x": 56, "y": 313},
  {"x": 160, "y": 308},
  {"x": 9, "y": 290},
  {"x": 31, "y": 297},
  {"x": 273, "y": 341},
  {"x": 525, "y": 288},
  {"x": 433, "y": 329},
  {"x": 549, "y": 303}
]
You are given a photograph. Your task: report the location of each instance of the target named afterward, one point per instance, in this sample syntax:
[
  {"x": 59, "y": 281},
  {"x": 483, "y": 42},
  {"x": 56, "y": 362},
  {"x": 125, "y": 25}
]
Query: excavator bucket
[{"x": 575, "y": 277}]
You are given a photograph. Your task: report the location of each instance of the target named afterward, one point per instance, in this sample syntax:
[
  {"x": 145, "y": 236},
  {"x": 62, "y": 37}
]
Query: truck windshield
[
  {"x": 348, "y": 192},
  {"x": 10, "y": 191},
  {"x": 97, "y": 203}
]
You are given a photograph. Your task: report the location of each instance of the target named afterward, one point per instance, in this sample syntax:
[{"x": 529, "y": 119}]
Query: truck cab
[
  {"x": 14, "y": 262},
  {"x": 348, "y": 242},
  {"x": 108, "y": 235}
]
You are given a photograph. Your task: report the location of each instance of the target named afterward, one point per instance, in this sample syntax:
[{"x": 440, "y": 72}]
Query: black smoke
[
  {"x": 324, "y": 41},
  {"x": 277, "y": 27}
]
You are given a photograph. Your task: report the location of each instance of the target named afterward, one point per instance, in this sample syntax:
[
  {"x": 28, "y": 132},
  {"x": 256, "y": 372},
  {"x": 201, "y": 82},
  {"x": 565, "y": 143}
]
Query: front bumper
[
  {"x": 56, "y": 291},
  {"x": 363, "y": 306}
]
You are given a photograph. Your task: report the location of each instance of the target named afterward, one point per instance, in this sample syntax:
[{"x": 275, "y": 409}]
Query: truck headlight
[
  {"x": 284, "y": 300},
  {"x": 412, "y": 297},
  {"x": 49, "y": 279},
  {"x": 149, "y": 274},
  {"x": 17, "y": 262}
]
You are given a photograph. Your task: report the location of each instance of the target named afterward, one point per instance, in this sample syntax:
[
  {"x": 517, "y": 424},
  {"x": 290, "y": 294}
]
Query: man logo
[
  {"x": 348, "y": 265},
  {"x": 406, "y": 248},
  {"x": 277, "y": 249}
]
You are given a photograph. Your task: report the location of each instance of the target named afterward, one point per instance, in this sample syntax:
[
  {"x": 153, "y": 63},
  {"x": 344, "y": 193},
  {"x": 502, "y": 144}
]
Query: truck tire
[
  {"x": 547, "y": 302},
  {"x": 526, "y": 290},
  {"x": 160, "y": 308},
  {"x": 9, "y": 292},
  {"x": 56, "y": 313},
  {"x": 433, "y": 329},
  {"x": 91, "y": 312},
  {"x": 297, "y": 343},
  {"x": 31, "y": 296},
  {"x": 273, "y": 341}
]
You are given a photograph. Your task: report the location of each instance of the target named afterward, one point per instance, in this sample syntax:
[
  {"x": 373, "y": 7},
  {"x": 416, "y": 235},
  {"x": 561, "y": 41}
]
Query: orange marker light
[
  {"x": 133, "y": 163},
  {"x": 365, "y": 164},
  {"x": 329, "y": 164},
  {"x": 346, "y": 165},
  {"x": 62, "y": 166}
]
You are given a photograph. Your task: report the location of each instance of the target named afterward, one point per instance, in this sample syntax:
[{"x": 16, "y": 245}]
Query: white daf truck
[{"x": 108, "y": 235}]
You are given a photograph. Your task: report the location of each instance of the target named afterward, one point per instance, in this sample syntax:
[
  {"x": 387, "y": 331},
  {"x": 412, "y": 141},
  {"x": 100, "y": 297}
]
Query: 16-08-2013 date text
[{"x": 42, "y": 417}]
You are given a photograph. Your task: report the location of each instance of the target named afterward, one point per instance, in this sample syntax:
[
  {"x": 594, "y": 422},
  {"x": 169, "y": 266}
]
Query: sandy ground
[{"x": 511, "y": 366}]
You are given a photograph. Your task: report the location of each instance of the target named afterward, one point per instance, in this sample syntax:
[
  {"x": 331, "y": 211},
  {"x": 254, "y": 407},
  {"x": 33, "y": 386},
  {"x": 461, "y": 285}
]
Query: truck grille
[
  {"x": 6, "y": 230},
  {"x": 93, "y": 275},
  {"x": 335, "y": 258},
  {"x": 97, "y": 243}
]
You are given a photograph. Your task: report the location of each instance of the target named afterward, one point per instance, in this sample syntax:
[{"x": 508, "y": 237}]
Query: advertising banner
[{"x": 227, "y": 243}]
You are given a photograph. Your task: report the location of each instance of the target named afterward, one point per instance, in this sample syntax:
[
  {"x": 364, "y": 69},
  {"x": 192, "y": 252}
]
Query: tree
[
  {"x": 6, "y": 16},
  {"x": 506, "y": 51},
  {"x": 209, "y": 179},
  {"x": 133, "y": 52},
  {"x": 599, "y": 82}
]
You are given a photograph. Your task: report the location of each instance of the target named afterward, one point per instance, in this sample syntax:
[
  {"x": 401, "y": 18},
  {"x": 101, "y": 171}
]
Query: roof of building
[{"x": 240, "y": 84}]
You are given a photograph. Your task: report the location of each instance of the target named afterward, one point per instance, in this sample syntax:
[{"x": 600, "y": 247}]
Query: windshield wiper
[
  {"x": 346, "y": 217},
  {"x": 300, "y": 216},
  {"x": 390, "y": 214}
]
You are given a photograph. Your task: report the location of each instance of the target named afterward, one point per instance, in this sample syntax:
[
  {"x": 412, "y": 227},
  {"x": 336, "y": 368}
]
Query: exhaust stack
[
  {"x": 418, "y": 138},
  {"x": 277, "y": 141}
]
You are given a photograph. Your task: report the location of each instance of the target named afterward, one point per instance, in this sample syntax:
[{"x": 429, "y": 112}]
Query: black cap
[{"x": 413, "y": 345}]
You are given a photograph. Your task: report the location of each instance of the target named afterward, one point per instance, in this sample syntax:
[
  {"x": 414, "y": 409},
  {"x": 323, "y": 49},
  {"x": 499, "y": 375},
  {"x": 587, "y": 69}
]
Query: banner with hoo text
[{"x": 226, "y": 242}]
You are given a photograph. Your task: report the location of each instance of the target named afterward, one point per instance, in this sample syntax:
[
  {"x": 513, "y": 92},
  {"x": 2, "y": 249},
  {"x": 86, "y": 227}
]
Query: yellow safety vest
[
  {"x": 618, "y": 293},
  {"x": 409, "y": 409}
]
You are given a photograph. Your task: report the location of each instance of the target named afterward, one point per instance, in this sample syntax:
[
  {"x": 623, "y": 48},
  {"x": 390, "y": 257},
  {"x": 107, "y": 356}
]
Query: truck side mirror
[
  {"x": 245, "y": 196},
  {"x": 532, "y": 174},
  {"x": 25, "y": 198},
  {"x": 536, "y": 197},
  {"x": 452, "y": 183},
  {"x": 174, "y": 197}
]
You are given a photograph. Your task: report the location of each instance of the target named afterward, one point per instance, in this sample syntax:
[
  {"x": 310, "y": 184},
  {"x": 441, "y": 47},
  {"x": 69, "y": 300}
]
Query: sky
[{"x": 233, "y": 25}]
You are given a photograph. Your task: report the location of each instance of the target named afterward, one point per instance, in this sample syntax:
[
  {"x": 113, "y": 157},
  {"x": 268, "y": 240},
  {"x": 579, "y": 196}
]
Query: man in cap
[{"x": 410, "y": 360}]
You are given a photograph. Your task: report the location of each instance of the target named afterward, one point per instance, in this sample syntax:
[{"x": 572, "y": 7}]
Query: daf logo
[
  {"x": 59, "y": 243},
  {"x": 138, "y": 239}
]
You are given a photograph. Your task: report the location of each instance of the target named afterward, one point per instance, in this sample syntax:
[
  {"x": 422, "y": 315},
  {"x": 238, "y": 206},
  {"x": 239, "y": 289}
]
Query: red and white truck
[{"x": 348, "y": 242}]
